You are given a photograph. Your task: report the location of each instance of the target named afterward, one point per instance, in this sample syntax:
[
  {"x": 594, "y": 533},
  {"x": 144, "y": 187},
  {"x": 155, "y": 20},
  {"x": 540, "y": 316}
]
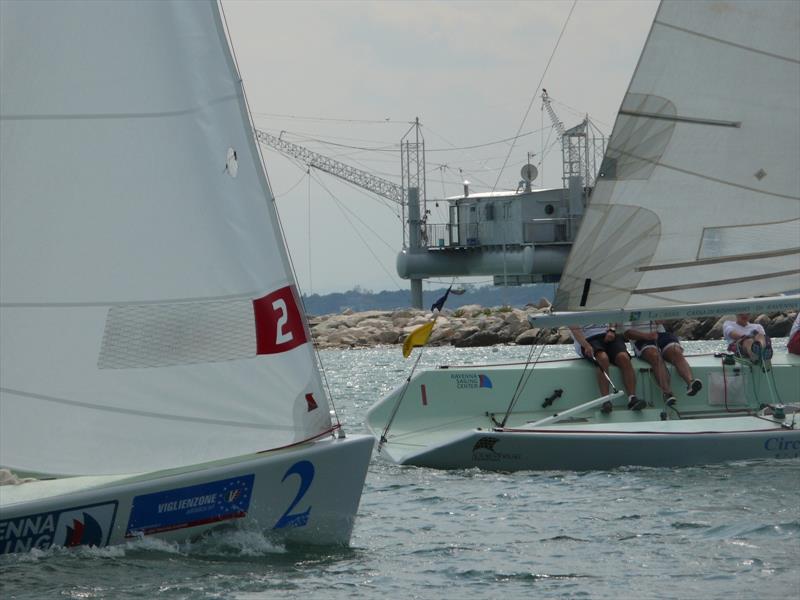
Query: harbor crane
[
  {"x": 376, "y": 185},
  {"x": 582, "y": 146}
]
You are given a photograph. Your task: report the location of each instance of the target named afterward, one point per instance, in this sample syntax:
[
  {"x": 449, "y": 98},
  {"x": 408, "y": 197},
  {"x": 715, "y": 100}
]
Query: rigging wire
[
  {"x": 294, "y": 185},
  {"x": 526, "y": 374},
  {"x": 578, "y": 113},
  {"x": 311, "y": 137},
  {"x": 538, "y": 86},
  {"x": 454, "y": 148},
  {"x": 385, "y": 202},
  {"x": 513, "y": 138},
  {"x": 308, "y": 210},
  {"x": 386, "y": 121},
  {"x": 344, "y": 210},
  {"x": 396, "y": 407}
]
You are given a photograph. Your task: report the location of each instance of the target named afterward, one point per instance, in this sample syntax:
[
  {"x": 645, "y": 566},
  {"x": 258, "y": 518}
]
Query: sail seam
[
  {"x": 138, "y": 413},
  {"x": 728, "y": 43},
  {"x": 706, "y": 177},
  {"x": 718, "y": 282},
  {"x": 694, "y": 120},
  {"x": 712, "y": 261},
  {"x": 97, "y": 116},
  {"x": 108, "y": 304}
]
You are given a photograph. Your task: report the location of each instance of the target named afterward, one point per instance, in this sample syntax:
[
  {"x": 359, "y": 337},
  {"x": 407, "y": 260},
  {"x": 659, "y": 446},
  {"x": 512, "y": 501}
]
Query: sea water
[{"x": 727, "y": 531}]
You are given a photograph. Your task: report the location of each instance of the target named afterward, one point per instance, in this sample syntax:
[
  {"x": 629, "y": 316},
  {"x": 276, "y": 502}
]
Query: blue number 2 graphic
[{"x": 306, "y": 472}]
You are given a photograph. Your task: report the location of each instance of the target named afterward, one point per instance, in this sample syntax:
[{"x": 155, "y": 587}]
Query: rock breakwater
[{"x": 473, "y": 326}]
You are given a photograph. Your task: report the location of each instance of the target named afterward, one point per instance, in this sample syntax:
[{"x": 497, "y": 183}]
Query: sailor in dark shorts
[
  {"x": 602, "y": 345},
  {"x": 652, "y": 343}
]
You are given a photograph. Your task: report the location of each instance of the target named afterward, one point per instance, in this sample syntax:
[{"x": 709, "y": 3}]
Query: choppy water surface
[{"x": 727, "y": 531}]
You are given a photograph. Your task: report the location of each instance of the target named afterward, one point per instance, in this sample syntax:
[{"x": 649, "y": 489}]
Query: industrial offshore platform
[{"x": 516, "y": 236}]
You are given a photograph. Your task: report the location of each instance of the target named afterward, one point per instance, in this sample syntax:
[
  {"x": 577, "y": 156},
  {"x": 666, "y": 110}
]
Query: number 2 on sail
[
  {"x": 279, "y": 325},
  {"x": 282, "y": 336}
]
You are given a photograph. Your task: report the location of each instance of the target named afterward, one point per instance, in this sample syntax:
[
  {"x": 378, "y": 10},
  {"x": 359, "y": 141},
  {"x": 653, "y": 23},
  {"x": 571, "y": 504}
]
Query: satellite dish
[{"x": 529, "y": 172}]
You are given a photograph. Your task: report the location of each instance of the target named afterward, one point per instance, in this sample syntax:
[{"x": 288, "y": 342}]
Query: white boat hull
[
  {"x": 307, "y": 494},
  {"x": 452, "y": 418}
]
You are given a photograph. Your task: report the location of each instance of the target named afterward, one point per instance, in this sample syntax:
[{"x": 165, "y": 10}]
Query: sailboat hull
[
  {"x": 306, "y": 494},
  {"x": 582, "y": 449},
  {"x": 453, "y": 417}
]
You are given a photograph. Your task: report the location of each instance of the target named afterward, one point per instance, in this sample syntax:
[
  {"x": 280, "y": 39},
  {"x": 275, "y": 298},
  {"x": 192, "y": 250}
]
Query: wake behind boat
[
  {"x": 696, "y": 212},
  {"x": 157, "y": 373}
]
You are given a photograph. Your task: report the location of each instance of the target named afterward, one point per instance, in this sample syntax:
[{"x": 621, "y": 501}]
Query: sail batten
[
  {"x": 702, "y": 284},
  {"x": 119, "y": 116},
  {"x": 720, "y": 40},
  {"x": 680, "y": 118},
  {"x": 701, "y": 262}
]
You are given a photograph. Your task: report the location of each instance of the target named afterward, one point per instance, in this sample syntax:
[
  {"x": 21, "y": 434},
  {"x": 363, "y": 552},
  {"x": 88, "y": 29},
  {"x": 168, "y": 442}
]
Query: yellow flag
[{"x": 418, "y": 337}]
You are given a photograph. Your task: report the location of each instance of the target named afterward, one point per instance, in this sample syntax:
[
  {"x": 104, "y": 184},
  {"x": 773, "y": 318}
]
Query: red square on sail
[{"x": 279, "y": 326}]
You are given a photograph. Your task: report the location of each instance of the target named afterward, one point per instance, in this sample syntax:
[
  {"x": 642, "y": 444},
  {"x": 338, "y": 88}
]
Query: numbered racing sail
[
  {"x": 148, "y": 315},
  {"x": 698, "y": 196}
]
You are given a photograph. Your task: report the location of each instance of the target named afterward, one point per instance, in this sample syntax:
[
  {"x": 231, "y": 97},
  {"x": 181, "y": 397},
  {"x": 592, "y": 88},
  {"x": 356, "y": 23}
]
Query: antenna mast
[{"x": 412, "y": 158}]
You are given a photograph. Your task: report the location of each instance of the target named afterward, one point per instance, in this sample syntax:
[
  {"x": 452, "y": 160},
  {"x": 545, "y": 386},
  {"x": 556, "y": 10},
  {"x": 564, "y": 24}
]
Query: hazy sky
[{"x": 346, "y": 79}]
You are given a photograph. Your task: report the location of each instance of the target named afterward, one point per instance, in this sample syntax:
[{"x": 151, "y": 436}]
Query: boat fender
[{"x": 552, "y": 397}]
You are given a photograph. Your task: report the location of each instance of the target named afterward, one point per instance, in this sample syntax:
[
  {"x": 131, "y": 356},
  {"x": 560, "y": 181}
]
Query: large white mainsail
[
  {"x": 148, "y": 315},
  {"x": 698, "y": 198}
]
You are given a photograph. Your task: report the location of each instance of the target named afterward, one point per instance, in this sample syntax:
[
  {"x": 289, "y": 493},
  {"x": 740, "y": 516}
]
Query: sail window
[{"x": 160, "y": 335}]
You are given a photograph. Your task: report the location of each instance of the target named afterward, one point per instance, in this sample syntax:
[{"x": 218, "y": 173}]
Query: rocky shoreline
[{"x": 475, "y": 326}]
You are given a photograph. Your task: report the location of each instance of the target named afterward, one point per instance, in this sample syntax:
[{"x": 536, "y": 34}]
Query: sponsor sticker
[
  {"x": 783, "y": 447},
  {"x": 483, "y": 451},
  {"x": 190, "y": 506},
  {"x": 466, "y": 381},
  {"x": 88, "y": 525}
]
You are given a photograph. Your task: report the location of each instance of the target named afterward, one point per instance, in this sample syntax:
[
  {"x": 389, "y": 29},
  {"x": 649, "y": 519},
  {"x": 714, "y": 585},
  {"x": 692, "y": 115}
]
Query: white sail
[
  {"x": 148, "y": 315},
  {"x": 698, "y": 198}
]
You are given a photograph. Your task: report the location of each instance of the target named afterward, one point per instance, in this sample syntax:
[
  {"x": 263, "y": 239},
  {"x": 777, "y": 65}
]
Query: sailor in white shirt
[{"x": 746, "y": 339}]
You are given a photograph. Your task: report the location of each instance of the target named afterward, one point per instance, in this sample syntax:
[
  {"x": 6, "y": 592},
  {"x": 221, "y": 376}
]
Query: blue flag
[{"x": 440, "y": 302}]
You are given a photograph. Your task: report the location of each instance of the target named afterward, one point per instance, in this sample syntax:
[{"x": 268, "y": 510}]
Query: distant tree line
[{"x": 360, "y": 300}]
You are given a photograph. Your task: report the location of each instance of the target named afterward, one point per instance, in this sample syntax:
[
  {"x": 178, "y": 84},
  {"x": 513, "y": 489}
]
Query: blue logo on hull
[
  {"x": 89, "y": 525},
  {"x": 190, "y": 506}
]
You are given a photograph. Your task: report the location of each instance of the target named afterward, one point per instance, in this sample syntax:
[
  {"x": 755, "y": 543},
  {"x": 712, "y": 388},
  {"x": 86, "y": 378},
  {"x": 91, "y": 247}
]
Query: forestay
[
  {"x": 698, "y": 197},
  {"x": 149, "y": 317}
]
